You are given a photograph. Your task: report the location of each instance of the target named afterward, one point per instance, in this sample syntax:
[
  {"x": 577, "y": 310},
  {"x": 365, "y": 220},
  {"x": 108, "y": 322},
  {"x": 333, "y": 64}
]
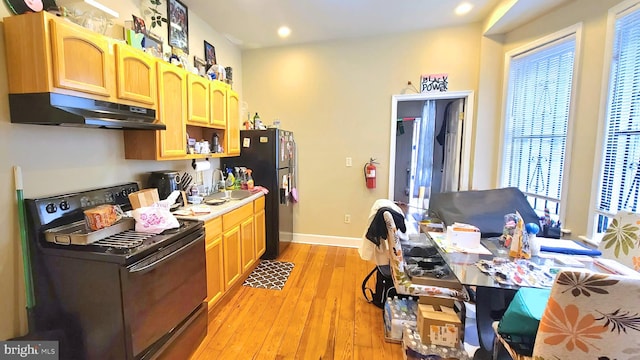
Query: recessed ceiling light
[
  {"x": 284, "y": 31},
  {"x": 463, "y": 8}
]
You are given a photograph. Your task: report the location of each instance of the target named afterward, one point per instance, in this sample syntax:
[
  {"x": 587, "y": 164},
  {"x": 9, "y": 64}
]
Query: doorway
[{"x": 430, "y": 146}]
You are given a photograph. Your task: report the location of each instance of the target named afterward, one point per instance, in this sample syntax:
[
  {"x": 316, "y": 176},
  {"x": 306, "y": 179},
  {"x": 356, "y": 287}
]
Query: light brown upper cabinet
[
  {"x": 172, "y": 98},
  {"x": 198, "y": 100},
  {"x": 48, "y": 54},
  {"x": 169, "y": 144},
  {"x": 233, "y": 123},
  {"x": 218, "y": 104},
  {"x": 136, "y": 76}
]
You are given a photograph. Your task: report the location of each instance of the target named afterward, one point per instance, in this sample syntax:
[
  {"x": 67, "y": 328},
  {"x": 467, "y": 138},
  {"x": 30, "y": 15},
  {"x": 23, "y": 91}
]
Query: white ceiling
[{"x": 253, "y": 23}]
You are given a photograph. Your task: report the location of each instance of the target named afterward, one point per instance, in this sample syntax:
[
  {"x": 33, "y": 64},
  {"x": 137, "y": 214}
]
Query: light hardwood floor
[{"x": 320, "y": 314}]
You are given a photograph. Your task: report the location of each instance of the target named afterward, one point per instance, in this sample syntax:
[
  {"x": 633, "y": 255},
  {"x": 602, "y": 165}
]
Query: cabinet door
[
  {"x": 215, "y": 271},
  {"x": 232, "y": 260},
  {"x": 82, "y": 60},
  {"x": 172, "y": 110},
  {"x": 135, "y": 76},
  {"x": 233, "y": 123},
  {"x": 248, "y": 249},
  {"x": 198, "y": 100},
  {"x": 260, "y": 244},
  {"x": 218, "y": 104}
]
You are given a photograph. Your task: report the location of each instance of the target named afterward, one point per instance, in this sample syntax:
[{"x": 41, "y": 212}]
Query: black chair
[{"x": 484, "y": 209}]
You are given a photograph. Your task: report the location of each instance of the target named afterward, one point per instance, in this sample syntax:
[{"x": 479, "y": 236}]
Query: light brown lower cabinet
[
  {"x": 234, "y": 242},
  {"x": 215, "y": 261}
]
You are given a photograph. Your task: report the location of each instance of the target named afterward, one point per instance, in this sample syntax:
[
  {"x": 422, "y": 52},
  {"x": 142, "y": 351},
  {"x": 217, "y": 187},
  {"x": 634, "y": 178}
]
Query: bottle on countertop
[
  {"x": 257, "y": 123},
  {"x": 238, "y": 179},
  {"x": 250, "y": 183},
  {"x": 243, "y": 178},
  {"x": 230, "y": 182}
]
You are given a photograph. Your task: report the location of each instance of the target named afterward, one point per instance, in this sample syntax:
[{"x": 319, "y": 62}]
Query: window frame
[
  {"x": 615, "y": 12},
  {"x": 574, "y": 31}
]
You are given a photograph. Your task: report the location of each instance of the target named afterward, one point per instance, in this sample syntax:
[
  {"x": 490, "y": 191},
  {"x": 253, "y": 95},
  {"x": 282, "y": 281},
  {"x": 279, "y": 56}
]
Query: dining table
[{"x": 491, "y": 294}]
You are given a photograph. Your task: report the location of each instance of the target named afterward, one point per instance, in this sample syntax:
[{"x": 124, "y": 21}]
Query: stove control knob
[
  {"x": 124, "y": 193},
  {"x": 64, "y": 205},
  {"x": 51, "y": 208}
]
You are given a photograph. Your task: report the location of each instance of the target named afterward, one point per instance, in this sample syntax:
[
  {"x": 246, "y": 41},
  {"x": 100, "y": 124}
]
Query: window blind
[
  {"x": 537, "y": 116},
  {"x": 620, "y": 168}
]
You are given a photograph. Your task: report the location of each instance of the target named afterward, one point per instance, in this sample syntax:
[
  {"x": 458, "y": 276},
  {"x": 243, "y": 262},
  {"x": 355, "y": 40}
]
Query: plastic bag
[{"x": 157, "y": 217}]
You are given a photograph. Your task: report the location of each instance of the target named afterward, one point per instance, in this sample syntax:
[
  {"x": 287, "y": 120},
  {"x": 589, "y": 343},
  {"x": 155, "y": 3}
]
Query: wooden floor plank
[{"x": 320, "y": 314}]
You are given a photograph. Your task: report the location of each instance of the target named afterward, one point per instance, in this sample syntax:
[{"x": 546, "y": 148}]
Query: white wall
[
  {"x": 55, "y": 160},
  {"x": 336, "y": 98}
]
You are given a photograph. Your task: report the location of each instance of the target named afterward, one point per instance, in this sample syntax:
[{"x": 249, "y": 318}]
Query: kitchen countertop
[{"x": 217, "y": 210}]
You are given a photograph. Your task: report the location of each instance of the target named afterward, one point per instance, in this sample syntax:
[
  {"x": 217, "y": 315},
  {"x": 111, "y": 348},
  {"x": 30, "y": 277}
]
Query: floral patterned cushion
[
  {"x": 621, "y": 241},
  {"x": 590, "y": 316}
]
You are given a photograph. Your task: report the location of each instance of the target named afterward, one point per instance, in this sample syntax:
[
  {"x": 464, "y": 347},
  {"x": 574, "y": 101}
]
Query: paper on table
[
  {"x": 616, "y": 267},
  {"x": 441, "y": 240},
  {"x": 559, "y": 243}
]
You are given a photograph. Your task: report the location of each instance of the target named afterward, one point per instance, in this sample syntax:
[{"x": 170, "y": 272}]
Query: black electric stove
[
  {"x": 122, "y": 248},
  {"x": 129, "y": 295}
]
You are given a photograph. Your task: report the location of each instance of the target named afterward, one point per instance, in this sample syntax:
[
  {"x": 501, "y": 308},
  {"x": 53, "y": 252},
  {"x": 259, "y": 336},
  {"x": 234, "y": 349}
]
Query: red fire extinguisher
[{"x": 370, "y": 173}]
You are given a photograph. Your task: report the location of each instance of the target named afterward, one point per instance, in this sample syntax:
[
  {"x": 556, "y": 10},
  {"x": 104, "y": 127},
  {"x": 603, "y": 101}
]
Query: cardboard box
[
  {"x": 463, "y": 235},
  {"x": 439, "y": 325},
  {"x": 142, "y": 198},
  {"x": 434, "y": 300}
]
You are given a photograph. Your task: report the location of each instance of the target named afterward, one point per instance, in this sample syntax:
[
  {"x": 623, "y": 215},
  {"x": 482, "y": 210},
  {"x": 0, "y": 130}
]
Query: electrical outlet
[
  {"x": 348, "y": 162},
  {"x": 347, "y": 218}
]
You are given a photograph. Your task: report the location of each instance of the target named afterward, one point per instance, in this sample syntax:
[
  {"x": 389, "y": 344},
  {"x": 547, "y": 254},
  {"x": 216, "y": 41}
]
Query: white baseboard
[{"x": 326, "y": 240}]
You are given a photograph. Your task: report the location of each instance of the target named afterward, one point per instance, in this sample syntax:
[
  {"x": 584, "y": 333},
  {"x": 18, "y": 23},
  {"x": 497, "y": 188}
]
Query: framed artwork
[
  {"x": 178, "y": 15},
  {"x": 153, "y": 45},
  {"x": 138, "y": 25},
  {"x": 201, "y": 65},
  {"x": 209, "y": 54}
]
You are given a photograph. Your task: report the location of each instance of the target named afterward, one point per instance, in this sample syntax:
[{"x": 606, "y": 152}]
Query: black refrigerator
[{"x": 270, "y": 154}]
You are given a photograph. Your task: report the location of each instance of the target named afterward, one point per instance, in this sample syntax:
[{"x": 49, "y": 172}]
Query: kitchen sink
[{"x": 229, "y": 195}]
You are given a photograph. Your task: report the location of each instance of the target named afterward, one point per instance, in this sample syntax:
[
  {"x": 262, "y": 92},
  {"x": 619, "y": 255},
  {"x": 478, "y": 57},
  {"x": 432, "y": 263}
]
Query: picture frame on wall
[
  {"x": 178, "y": 15},
  {"x": 209, "y": 54}
]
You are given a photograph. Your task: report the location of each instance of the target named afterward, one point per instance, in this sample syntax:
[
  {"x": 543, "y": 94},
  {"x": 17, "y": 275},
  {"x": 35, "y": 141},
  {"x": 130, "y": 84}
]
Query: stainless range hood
[{"x": 68, "y": 110}]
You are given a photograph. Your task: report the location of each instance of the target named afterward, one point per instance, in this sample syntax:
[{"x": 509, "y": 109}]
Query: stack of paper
[{"x": 615, "y": 267}]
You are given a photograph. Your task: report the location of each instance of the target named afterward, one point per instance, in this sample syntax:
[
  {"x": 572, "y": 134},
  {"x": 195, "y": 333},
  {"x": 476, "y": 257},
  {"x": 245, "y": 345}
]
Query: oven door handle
[{"x": 156, "y": 263}]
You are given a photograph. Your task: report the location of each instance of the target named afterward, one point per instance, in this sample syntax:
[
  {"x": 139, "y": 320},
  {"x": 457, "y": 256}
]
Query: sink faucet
[{"x": 218, "y": 185}]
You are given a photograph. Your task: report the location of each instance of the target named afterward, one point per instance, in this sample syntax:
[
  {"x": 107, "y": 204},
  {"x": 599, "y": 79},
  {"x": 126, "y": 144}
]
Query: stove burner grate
[{"x": 125, "y": 240}]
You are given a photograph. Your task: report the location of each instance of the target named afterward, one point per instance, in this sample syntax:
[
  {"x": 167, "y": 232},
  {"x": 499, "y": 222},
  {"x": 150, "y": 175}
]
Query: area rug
[{"x": 269, "y": 274}]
